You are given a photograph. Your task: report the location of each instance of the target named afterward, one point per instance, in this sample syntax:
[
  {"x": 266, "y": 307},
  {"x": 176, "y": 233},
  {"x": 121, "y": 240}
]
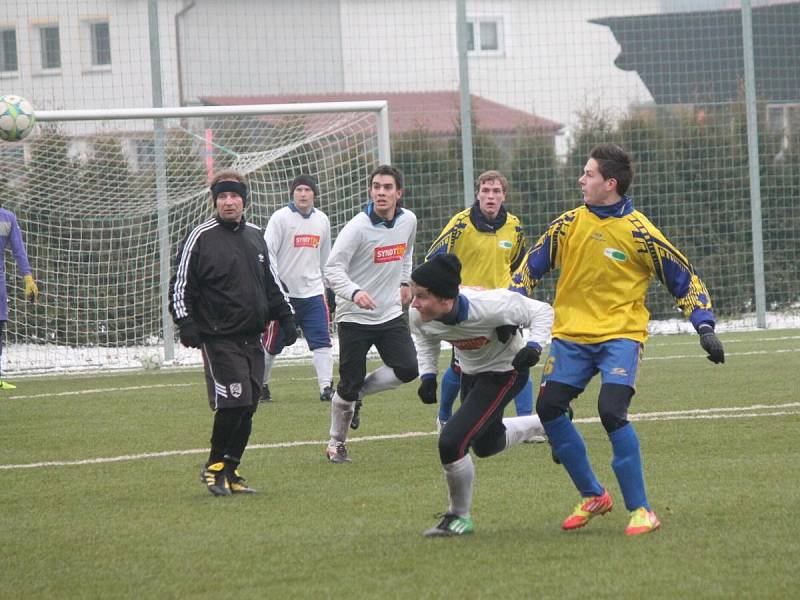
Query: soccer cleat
[
  {"x": 237, "y": 483},
  {"x": 440, "y": 425},
  {"x": 265, "y": 395},
  {"x": 4, "y": 385},
  {"x": 213, "y": 476},
  {"x": 356, "y": 415},
  {"x": 451, "y": 525},
  {"x": 535, "y": 439},
  {"x": 326, "y": 394},
  {"x": 586, "y": 509},
  {"x": 337, "y": 452},
  {"x": 642, "y": 521}
]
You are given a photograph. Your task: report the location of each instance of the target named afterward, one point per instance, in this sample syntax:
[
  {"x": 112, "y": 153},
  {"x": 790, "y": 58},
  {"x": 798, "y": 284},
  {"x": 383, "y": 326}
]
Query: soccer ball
[{"x": 16, "y": 118}]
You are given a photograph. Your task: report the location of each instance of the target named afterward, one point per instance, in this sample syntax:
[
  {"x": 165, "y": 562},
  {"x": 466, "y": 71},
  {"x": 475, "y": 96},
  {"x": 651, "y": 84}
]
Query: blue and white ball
[{"x": 17, "y": 118}]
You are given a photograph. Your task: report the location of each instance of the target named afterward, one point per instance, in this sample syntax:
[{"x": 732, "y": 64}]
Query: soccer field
[{"x": 102, "y": 498}]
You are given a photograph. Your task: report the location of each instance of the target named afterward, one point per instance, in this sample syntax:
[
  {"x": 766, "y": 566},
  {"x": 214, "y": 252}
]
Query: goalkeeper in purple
[
  {"x": 607, "y": 252},
  {"x": 11, "y": 237}
]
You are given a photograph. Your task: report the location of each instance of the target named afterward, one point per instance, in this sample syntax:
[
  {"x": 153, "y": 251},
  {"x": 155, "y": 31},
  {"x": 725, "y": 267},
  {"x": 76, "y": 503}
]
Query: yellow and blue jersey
[
  {"x": 489, "y": 251},
  {"x": 606, "y": 257}
]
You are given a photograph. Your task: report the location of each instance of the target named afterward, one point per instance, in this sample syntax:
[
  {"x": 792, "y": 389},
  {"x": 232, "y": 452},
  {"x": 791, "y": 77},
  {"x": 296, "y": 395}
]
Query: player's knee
[
  {"x": 406, "y": 374},
  {"x": 612, "y": 405},
  {"x": 554, "y": 399},
  {"x": 348, "y": 392},
  {"x": 449, "y": 448},
  {"x": 488, "y": 446}
]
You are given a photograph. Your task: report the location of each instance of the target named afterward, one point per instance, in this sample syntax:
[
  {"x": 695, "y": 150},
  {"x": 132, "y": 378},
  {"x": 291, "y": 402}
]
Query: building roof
[
  {"x": 697, "y": 57},
  {"x": 436, "y": 112}
]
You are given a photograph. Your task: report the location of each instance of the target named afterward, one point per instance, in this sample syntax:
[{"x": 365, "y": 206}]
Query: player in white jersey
[
  {"x": 298, "y": 237},
  {"x": 369, "y": 270},
  {"x": 482, "y": 326}
]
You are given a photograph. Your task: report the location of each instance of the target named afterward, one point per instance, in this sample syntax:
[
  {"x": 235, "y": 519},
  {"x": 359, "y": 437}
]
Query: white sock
[
  {"x": 519, "y": 429},
  {"x": 322, "y": 359},
  {"x": 269, "y": 360},
  {"x": 341, "y": 415},
  {"x": 459, "y": 476},
  {"x": 380, "y": 380}
]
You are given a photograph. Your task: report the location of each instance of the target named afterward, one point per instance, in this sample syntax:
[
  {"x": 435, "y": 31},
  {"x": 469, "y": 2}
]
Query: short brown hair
[
  {"x": 614, "y": 163},
  {"x": 227, "y": 174},
  {"x": 388, "y": 170},
  {"x": 489, "y": 176}
]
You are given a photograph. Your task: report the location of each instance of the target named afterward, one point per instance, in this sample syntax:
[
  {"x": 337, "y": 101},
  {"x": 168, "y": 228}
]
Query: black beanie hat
[
  {"x": 441, "y": 275},
  {"x": 305, "y": 180}
]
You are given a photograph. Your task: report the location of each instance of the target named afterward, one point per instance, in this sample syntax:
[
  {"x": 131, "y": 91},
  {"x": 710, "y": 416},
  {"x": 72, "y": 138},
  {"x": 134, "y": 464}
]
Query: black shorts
[
  {"x": 478, "y": 423},
  {"x": 393, "y": 342},
  {"x": 234, "y": 372}
]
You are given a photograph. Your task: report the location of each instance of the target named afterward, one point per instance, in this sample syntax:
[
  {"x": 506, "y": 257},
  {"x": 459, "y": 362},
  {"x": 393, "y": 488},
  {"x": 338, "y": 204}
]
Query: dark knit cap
[
  {"x": 305, "y": 180},
  {"x": 225, "y": 185},
  {"x": 441, "y": 275}
]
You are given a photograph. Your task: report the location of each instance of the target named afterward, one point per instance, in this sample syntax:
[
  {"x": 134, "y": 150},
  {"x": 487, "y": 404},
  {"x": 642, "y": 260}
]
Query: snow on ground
[{"x": 33, "y": 359}]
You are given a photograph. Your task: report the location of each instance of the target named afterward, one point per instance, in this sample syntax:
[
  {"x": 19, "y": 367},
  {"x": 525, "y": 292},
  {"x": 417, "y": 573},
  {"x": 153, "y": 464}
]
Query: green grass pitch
[{"x": 100, "y": 495}]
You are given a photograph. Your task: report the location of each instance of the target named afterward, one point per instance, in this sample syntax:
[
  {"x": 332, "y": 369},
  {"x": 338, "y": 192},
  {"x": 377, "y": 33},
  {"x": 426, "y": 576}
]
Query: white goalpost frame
[{"x": 379, "y": 107}]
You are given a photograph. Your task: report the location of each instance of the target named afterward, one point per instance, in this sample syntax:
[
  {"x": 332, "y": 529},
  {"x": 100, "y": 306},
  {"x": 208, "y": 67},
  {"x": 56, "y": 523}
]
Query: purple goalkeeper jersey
[{"x": 10, "y": 236}]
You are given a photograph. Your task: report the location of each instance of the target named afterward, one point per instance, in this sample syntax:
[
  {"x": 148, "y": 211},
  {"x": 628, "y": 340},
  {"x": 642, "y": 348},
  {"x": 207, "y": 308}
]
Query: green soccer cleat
[
  {"x": 4, "y": 385},
  {"x": 451, "y": 525},
  {"x": 213, "y": 476}
]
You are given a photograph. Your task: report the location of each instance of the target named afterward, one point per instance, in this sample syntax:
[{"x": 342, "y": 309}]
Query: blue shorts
[
  {"x": 575, "y": 364},
  {"x": 312, "y": 315}
]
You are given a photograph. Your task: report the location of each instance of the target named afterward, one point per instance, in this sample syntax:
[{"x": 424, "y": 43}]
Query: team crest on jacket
[
  {"x": 393, "y": 253},
  {"x": 236, "y": 389},
  {"x": 470, "y": 344},
  {"x": 306, "y": 240},
  {"x": 505, "y": 245}
]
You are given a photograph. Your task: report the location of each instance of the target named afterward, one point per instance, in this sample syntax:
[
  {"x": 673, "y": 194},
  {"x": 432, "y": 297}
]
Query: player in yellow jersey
[
  {"x": 490, "y": 243},
  {"x": 606, "y": 253}
]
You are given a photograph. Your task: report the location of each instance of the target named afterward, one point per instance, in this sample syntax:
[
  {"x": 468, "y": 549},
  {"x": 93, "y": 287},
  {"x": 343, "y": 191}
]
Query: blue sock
[
  {"x": 448, "y": 392},
  {"x": 627, "y": 465},
  {"x": 571, "y": 451},
  {"x": 524, "y": 400}
]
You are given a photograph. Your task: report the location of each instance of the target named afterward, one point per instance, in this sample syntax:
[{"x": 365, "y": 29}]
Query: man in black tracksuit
[{"x": 222, "y": 293}]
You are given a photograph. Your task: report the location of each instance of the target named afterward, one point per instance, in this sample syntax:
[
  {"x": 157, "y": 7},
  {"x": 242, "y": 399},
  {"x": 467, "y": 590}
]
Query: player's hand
[
  {"x": 427, "y": 389},
  {"x": 31, "y": 289},
  {"x": 289, "y": 329},
  {"x": 527, "y": 357},
  {"x": 364, "y": 300},
  {"x": 189, "y": 333},
  {"x": 506, "y": 332},
  {"x": 711, "y": 344},
  {"x": 405, "y": 295}
]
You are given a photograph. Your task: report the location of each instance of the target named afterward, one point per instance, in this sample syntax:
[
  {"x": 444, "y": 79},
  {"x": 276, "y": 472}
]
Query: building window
[
  {"x": 101, "y": 43},
  {"x": 51, "y": 47},
  {"x": 485, "y": 35},
  {"x": 8, "y": 50}
]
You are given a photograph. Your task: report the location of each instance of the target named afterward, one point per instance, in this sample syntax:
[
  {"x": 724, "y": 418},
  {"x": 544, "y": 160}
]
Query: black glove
[
  {"x": 506, "y": 332},
  {"x": 527, "y": 357},
  {"x": 427, "y": 389},
  {"x": 711, "y": 344},
  {"x": 289, "y": 329},
  {"x": 189, "y": 333}
]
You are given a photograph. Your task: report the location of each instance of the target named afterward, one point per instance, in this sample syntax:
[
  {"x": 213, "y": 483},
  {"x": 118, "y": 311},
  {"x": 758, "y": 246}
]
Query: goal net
[{"x": 105, "y": 198}]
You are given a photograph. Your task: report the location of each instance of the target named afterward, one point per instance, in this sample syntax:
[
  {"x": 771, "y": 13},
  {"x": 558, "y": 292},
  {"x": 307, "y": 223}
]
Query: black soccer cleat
[
  {"x": 265, "y": 395},
  {"x": 213, "y": 476},
  {"x": 237, "y": 483},
  {"x": 327, "y": 394},
  {"x": 356, "y": 422}
]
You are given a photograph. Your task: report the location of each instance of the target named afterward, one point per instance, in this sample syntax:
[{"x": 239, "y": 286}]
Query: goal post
[{"x": 104, "y": 200}]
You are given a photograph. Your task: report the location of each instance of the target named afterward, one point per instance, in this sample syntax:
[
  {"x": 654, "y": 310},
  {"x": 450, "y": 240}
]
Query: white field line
[
  {"x": 653, "y": 342},
  {"x": 711, "y": 413}
]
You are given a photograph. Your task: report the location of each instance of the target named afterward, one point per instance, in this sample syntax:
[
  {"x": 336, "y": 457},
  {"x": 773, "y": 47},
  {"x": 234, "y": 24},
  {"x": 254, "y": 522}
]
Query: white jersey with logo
[
  {"x": 299, "y": 247},
  {"x": 375, "y": 258},
  {"x": 479, "y": 313}
]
